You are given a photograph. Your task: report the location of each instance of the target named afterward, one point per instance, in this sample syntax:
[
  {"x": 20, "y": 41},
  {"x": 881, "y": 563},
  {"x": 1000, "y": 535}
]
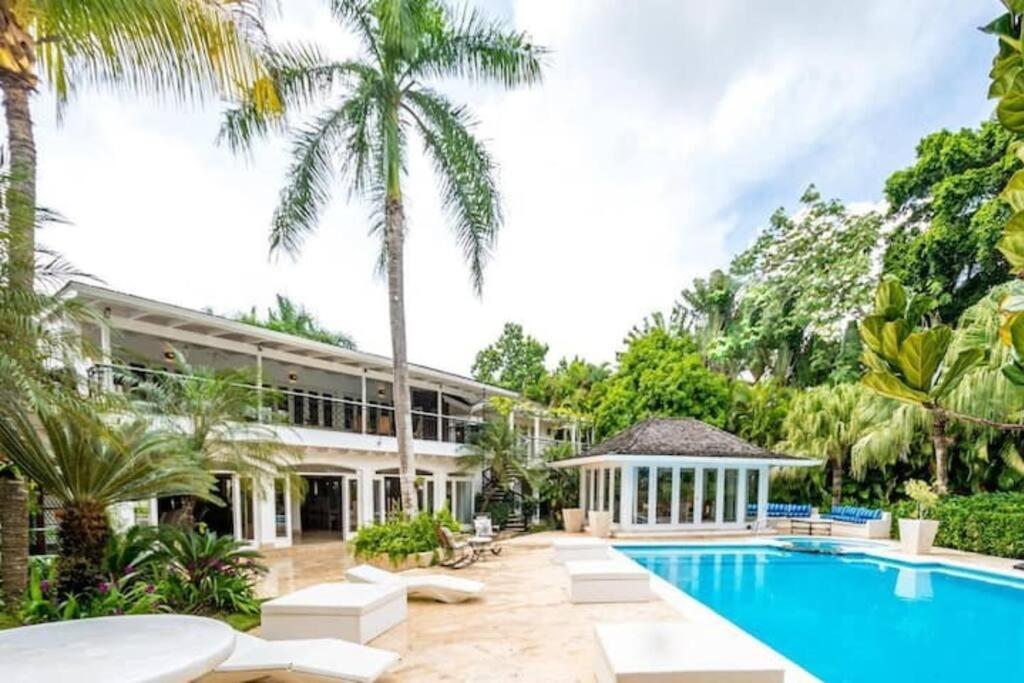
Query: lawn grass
[
  {"x": 8, "y": 621},
  {"x": 237, "y": 621}
]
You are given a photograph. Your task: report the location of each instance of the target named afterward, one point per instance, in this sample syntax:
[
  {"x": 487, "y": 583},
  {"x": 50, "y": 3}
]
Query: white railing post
[
  {"x": 259, "y": 382},
  {"x": 440, "y": 412},
  {"x": 362, "y": 407},
  {"x": 105, "y": 352}
]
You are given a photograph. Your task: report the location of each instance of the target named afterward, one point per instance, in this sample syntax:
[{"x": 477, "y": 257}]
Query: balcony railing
[{"x": 306, "y": 408}]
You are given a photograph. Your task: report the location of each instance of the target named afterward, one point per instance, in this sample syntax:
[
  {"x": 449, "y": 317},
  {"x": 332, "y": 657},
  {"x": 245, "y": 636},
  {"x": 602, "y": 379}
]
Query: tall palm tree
[
  {"x": 379, "y": 100},
  {"x": 89, "y": 463},
  {"x": 185, "y": 49},
  {"x": 827, "y": 422},
  {"x": 215, "y": 421}
]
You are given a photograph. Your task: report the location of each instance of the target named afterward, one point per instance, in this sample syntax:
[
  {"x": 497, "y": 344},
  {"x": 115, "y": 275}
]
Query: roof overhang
[
  {"x": 148, "y": 312},
  {"x": 634, "y": 459}
]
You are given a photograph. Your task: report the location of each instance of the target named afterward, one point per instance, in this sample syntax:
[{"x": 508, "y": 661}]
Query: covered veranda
[{"x": 677, "y": 474}]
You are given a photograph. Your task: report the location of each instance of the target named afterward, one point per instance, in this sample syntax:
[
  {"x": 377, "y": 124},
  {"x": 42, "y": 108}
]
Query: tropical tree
[
  {"x": 757, "y": 412},
  {"x": 827, "y": 422},
  {"x": 498, "y": 451},
  {"x": 292, "y": 318},
  {"x": 907, "y": 360},
  {"x": 515, "y": 361},
  {"x": 89, "y": 463},
  {"x": 379, "y": 101},
  {"x": 217, "y": 422},
  {"x": 183, "y": 49}
]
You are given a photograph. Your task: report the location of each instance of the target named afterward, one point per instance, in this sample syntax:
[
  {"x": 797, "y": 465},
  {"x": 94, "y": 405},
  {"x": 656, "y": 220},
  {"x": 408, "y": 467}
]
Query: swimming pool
[{"x": 854, "y": 618}]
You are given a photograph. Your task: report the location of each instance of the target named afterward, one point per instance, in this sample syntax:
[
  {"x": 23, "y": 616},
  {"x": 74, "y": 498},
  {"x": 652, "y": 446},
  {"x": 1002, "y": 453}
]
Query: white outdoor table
[{"x": 158, "y": 648}]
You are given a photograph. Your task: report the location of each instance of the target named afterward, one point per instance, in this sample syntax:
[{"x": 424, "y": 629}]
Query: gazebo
[{"x": 677, "y": 474}]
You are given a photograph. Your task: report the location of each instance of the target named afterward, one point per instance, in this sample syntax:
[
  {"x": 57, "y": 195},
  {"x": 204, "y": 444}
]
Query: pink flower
[
  {"x": 103, "y": 587},
  {"x": 44, "y": 586}
]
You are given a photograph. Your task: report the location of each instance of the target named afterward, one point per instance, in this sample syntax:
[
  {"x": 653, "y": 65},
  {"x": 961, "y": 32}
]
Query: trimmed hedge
[{"x": 987, "y": 523}]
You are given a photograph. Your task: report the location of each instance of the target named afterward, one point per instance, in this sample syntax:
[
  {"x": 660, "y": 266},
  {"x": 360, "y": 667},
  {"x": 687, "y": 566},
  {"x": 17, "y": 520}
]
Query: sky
[{"x": 662, "y": 138}]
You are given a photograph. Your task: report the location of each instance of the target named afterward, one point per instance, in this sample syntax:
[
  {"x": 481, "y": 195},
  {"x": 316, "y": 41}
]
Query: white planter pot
[
  {"x": 917, "y": 535},
  {"x": 572, "y": 520},
  {"x": 600, "y": 523}
]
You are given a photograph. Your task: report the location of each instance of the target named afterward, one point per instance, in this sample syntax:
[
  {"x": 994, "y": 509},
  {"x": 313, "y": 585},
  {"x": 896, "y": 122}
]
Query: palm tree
[
  {"x": 827, "y": 421},
  {"x": 498, "y": 451},
  {"x": 89, "y": 463},
  {"x": 378, "y": 100},
  {"x": 217, "y": 423},
  {"x": 292, "y": 318},
  {"x": 185, "y": 49}
]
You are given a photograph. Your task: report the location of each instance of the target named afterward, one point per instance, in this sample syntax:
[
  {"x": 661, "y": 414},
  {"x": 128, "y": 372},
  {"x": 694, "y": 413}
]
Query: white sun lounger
[
  {"x": 431, "y": 586},
  {"x": 319, "y": 660}
]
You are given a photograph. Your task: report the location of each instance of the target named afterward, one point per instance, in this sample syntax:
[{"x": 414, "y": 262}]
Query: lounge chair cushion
[
  {"x": 440, "y": 587},
  {"x": 316, "y": 659}
]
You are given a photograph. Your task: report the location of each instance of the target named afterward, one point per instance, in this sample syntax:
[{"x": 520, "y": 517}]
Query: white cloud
[{"x": 622, "y": 174}]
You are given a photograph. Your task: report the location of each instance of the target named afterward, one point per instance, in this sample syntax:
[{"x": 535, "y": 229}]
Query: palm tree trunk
[
  {"x": 13, "y": 539},
  {"x": 837, "y": 482},
  {"x": 395, "y": 219},
  {"x": 83, "y": 533},
  {"x": 940, "y": 442},
  {"x": 21, "y": 192}
]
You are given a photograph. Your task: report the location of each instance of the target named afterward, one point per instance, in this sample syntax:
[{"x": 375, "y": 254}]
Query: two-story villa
[{"x": 333, "y": 405}]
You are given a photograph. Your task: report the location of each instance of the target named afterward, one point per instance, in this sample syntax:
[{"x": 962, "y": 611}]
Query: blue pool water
[{"x": 853, "y": 618}]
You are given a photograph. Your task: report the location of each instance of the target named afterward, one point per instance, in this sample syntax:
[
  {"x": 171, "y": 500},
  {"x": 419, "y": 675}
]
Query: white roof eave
[{"x": 623, "y": 458}]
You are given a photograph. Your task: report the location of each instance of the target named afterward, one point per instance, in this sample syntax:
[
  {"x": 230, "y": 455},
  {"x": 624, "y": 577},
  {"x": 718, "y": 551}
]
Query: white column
[
  {"x": 511, "y": 419},
  {"x": 236, "y": 507},
  {"x": 652, "y": 494},
  {"x": 572, "y": 437},
  {"x": 106, "y": 353},
  {"x": 626, "y": 496},
  {"x": 365, "y": 418},
  {"x": 741, "y": 496},
  {"x": 583, "y": 489},
  {"x": 720, "y": 496},
  {"x": 698, "y": 495},
  {"x": 762, "y": 495},
  {"x": 599, "y": 484},
  {"x": 536, "y": 436},
  {"x": 440, "y": 421},
  {"x": 365, "y": 496},
  {"x": 259, "y": 382},
  {"x": 440, "y": 481}
]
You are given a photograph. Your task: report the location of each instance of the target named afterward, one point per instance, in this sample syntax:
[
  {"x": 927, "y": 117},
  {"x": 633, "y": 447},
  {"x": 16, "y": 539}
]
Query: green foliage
[
  {"x": 292, "y": 318},
  {"x": 399, "y": 538},
  {"x": 44, "y": 603},
  {"x": 923, "y": 495},
  {"x": 497, "y": 450},
  {"x": 575, "y": 386},
  {"x": 201, "y": 572},
  {"x": 948, "y": 215},
  {"x": 757, "y": 412},
  {"x": 515, "y": 361},
  {"x": 988, "y": 523},
  {"x": 661, "y": 374}
]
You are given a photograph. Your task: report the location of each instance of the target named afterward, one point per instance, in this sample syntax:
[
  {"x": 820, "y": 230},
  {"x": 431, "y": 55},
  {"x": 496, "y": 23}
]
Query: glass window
[
  {"x": 686, "y": 491},
  {"x": 750, "y": 509},
  {"x": 731, "y": 483},
  {"x": 643, "y": 485},
  {"x": 663, "y": 501},
  {"x": 353, "y": 504},
  {"x": 616, "y": 477},
  {"x": 710, "y": 492},
  {"x": 464, "y": 501},
  {"x": 280, "y": 510}
]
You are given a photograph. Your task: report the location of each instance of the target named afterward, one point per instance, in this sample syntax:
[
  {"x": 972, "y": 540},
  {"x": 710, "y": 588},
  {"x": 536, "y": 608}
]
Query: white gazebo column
[
  {"x": 583, "y": 489},
  {"x": 675, "y": 495},
  {"x": 762, "y": 495},
  {"x": 536, "y": 437},
  {"x": 626, "y": 496},
  {"x": 720, "y": 496}
]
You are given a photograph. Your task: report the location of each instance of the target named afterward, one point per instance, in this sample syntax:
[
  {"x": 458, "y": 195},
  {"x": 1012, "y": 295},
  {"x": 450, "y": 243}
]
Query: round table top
[{"x": 157, "y": 648}]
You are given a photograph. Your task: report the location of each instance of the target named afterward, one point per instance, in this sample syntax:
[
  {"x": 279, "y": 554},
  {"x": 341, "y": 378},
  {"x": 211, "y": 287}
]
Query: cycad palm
[
  {"x": 497, "y": 450},
  {"x": 89, "y": 464},
  {"x": 362, "y": 138},
  {"x": 186, "y": 49}
]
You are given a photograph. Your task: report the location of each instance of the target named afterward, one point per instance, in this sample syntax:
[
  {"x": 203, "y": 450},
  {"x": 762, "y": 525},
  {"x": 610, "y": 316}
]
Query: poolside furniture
[
  {"x": 849, "y": 520},
  {"x": 569, "y": 549},
  {"x": 454, "y": 554},
  {"x": 316, "y": 660},
  {"x": 599, "y": 523},
  {"x": 437, "y": 587},
  {"x": 676, "y": 652},
  {"x": 170, "y": 648},
  {"x": 357, "y": 612},
  {"x": 608, "y": 581},
  {"x": 781, "y": 510},
  {"x": 484, "y": 539}
]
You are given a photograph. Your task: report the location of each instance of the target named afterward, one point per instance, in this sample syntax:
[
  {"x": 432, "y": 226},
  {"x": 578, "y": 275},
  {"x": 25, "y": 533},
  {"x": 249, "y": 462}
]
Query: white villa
[{"x": 332, "y": 404}]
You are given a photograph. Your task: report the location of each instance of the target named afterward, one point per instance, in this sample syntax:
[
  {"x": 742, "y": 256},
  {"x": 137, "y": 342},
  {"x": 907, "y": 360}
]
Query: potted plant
[{"x": 918, "y": 533}]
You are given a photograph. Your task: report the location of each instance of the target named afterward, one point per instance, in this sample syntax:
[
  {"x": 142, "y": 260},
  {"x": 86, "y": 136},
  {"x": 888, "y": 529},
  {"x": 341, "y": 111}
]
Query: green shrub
[
  {"x": 987, "y": 523},
  {"x": 399, "y": 538}
]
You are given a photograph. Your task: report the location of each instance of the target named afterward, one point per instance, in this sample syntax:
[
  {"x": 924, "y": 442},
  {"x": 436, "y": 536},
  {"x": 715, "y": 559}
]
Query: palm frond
[{"x": 466, "y": 173}]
